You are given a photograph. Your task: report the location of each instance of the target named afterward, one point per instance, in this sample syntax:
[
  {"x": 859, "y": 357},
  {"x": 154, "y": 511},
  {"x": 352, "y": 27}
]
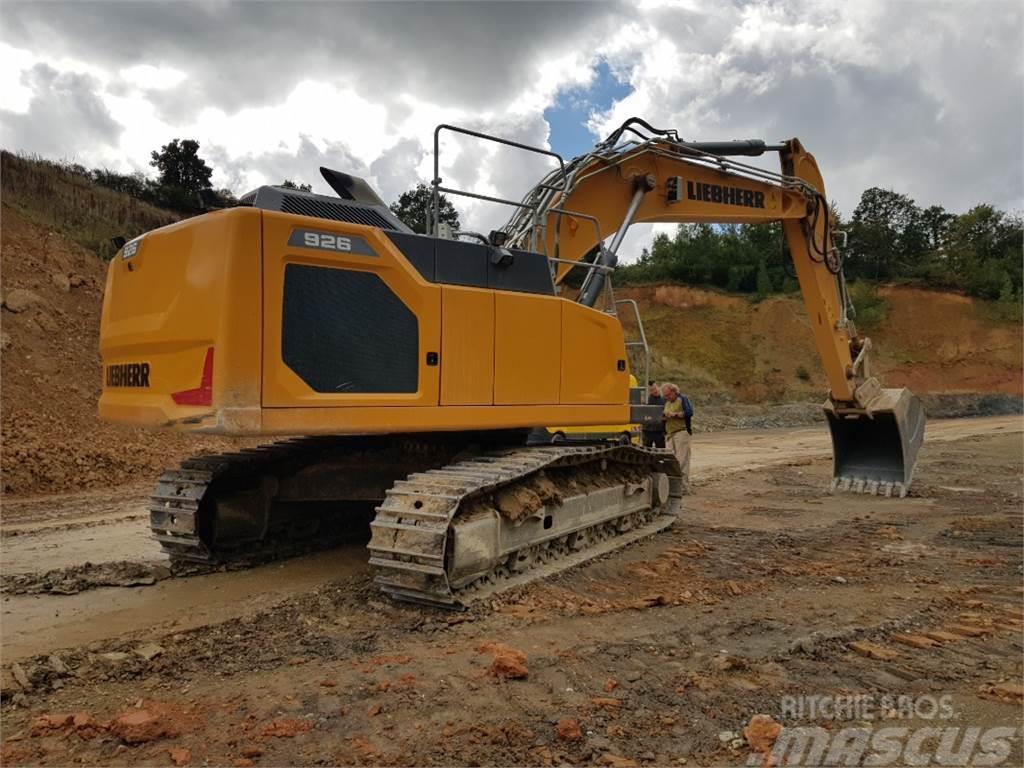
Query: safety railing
[
  {"x": 438, "y": 189},
  {"x": 554, "y": 183},
  {"x": 640, "y": 343}
]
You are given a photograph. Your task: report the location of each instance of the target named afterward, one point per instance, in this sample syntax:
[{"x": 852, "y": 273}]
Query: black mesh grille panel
[
  {"x": 321, "y": 209},
  {"x": 345, "y": 331}
]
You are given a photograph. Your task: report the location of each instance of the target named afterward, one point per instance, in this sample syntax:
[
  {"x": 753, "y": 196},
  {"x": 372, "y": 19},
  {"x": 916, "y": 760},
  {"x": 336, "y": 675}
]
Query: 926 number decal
[{"x": 326, "y": 241}]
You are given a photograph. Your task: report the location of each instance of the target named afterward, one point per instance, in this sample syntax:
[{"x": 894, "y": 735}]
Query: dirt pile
[
  {"x": 50, "y": 374},
  {"x": 720, "y": 345}
]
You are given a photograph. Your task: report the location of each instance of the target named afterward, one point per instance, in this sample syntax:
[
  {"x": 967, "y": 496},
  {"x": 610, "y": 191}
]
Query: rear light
[{"x": 203, "y": 394}]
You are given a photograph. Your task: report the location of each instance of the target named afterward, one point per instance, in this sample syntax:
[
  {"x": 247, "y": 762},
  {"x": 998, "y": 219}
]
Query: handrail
[
  {"x": 642, "y": 342},
  {"x": 436, "y": 182}
]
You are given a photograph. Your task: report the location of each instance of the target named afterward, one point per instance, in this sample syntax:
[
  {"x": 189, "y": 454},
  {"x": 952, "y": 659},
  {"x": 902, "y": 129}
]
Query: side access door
[{"x": 347, "y": 322}]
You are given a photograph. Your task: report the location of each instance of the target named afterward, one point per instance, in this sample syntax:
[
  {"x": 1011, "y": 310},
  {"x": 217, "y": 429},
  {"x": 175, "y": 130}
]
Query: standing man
[
  {"x": 654, "y": 432},
  {"x": 677, "y": 430}
]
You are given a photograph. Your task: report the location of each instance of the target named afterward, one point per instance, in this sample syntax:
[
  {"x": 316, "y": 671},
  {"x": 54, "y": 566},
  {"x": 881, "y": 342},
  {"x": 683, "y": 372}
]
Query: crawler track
[
  {"x": 181, "y": 506},
  {"x": 413, "y": 545},
  {"x": 435, "y": 528}
]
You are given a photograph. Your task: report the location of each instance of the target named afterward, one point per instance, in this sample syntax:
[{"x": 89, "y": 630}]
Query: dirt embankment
[
  {"x": 50, "y": 373},
  {"x": 728, "y": 347}
]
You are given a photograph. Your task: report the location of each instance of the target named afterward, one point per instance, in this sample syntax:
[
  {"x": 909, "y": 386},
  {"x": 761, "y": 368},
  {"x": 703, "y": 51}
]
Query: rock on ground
[{"x": 507, "y": 662}]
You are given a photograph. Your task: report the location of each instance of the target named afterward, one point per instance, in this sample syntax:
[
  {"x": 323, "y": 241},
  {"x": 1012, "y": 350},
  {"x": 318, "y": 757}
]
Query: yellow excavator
[{"x": 414, "y": 367}]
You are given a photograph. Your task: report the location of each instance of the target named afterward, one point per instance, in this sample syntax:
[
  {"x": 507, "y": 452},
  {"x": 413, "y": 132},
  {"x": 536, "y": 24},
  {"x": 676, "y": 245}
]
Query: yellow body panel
[
  {"x": 165, "y": 306},
  {"x": 467, "y": 346},
  {"x": 506, "y": 360},
  {"x": 589, "y": 340},
  {"x": 527, "y": 349},
  {"x": 606, "y": 431},
  {"x": 282, "y": 388}
]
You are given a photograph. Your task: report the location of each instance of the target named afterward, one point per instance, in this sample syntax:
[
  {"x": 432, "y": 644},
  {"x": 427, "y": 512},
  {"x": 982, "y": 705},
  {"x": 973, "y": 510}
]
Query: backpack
[{"x": 687, "y": 406}]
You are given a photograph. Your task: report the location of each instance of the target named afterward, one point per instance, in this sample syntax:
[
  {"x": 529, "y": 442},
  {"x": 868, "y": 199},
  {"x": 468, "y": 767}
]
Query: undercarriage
[{"x": 452, "y": 519}]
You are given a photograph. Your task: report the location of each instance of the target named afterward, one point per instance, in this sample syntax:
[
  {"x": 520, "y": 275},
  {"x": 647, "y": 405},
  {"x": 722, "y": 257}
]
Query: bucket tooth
[{"x": 876, "y": 446}]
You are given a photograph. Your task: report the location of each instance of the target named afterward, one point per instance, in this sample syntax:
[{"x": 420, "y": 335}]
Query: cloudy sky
[{"x": 921, "y": 97}]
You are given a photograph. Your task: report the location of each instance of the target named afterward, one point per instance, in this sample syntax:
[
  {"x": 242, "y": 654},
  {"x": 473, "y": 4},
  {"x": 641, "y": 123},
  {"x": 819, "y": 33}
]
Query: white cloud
[
  {"x": 923, "y": 98},
  {"x": 148, "y": 76},
  {"x": 14, "y": 63}
]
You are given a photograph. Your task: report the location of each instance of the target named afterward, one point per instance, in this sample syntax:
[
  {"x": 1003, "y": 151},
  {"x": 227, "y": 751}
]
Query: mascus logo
[{"x": 128, "y": 375}]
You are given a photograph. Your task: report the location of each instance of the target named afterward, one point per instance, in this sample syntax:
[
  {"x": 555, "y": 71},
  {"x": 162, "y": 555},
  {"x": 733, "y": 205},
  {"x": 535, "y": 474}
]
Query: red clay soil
[{"x": 930, "y": 341}]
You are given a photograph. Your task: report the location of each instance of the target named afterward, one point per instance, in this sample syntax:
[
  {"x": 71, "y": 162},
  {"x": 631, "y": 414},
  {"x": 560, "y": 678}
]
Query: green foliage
[
  {"x": 764, "y": 283},
  {"x": 871, "y": 307},
  {"x": 289, "y": 184},
  {"x": 180, "y": 166},
  {"x": 411, "y": 207},
  {"x": 890, "y": 239},
  {"x": 977, "y": 252},
  {"x": 735, "y": 257},
  {"x": 183, "y": 184}
]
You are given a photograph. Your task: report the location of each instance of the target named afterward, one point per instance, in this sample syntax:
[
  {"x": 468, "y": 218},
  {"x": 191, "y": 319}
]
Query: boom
[{"x": 655, "y": 177}]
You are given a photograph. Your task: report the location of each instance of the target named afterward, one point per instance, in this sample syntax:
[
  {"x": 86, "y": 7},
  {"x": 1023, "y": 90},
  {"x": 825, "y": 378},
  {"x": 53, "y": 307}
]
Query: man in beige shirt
[{"x": 677, "y": 430}]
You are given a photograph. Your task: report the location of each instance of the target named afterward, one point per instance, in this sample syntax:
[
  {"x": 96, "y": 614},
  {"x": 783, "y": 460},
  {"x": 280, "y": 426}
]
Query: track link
[
  {"x": 175, "y": 516},
  {"x": 413, "y": 529}
]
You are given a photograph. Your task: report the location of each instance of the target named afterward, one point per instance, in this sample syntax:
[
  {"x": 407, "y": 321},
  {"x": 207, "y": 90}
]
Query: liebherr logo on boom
[{"x": 714, "y": 193}]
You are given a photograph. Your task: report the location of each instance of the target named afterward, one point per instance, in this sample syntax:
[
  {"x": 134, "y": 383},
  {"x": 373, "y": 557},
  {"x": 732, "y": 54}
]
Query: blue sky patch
[{"x": 568, "y": 115}]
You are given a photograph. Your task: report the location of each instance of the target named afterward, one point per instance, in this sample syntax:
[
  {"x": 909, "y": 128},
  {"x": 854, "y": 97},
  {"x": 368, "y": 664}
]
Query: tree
[
  {"x": 764, "y": 283},
  {"x": 180, "y": 166},
  {"x": 224, "y": 198},
  {"x": 411, "y": 207},
  {"x": 183, "y": 175},
  {"x": 289, "y": 184},
  {"x": 887, "y": 235}
]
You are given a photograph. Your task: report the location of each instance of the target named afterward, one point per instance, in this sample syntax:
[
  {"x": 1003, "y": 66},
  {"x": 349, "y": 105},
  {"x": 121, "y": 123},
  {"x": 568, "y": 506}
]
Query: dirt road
[{"x": 767, "y": 588}]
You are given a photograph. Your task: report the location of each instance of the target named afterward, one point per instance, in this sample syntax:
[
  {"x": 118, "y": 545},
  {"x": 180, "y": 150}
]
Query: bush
[{"x": 869, "y": 306}]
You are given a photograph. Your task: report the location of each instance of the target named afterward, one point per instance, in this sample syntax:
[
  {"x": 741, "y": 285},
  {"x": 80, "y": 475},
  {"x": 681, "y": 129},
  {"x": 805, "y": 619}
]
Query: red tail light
[{"x": 203, "y": 394}]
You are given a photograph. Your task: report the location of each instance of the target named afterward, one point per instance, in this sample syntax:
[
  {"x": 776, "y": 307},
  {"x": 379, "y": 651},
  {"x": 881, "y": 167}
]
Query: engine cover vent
[{"x": 323, "y": 207}]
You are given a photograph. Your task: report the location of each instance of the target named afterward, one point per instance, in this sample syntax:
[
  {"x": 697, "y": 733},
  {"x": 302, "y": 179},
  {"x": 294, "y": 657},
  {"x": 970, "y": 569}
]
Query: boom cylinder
[
  {"x": 748, "y": 147},
  {"x": 608, "y": 257}
]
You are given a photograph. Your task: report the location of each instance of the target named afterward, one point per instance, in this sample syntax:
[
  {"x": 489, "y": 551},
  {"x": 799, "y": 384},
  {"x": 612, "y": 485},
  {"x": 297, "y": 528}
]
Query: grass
[{"x": 61, "y": 198}]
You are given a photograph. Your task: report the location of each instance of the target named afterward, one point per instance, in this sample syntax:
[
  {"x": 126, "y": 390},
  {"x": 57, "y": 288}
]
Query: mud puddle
[
  {"x": 67, "y": 547},
  {"x": 36, "y": 624}
]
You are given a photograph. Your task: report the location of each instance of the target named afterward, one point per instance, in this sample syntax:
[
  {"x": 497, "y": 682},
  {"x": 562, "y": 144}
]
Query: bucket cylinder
[{"x": 874, "y": 449}]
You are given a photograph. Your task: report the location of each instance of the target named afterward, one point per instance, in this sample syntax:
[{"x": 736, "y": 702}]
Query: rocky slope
[
  {"x": 755, "y": 352},
  {"x": 50, "y": 373}
]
